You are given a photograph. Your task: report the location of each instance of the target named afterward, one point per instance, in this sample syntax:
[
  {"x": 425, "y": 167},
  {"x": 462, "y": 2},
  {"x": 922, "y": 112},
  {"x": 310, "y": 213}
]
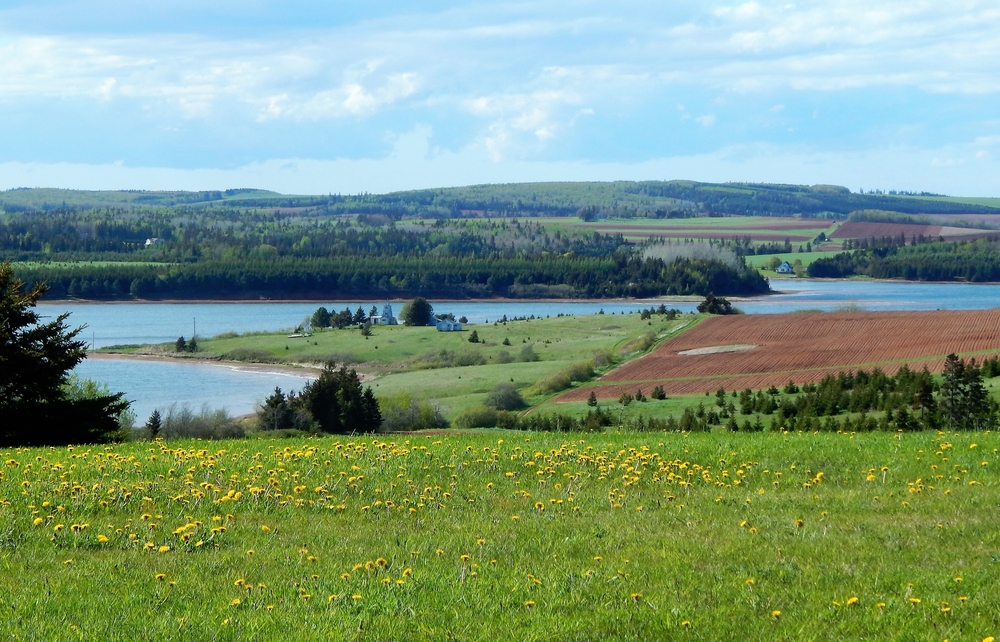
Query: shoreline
[{"x": 276, "y": 368}]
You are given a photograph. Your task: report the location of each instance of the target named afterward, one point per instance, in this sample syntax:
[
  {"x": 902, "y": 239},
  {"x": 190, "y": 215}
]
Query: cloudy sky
[{"x": 318, "y": 96}]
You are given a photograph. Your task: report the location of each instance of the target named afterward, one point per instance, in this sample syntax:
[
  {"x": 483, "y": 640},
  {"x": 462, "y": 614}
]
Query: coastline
[{"x": 239, "y": 366}]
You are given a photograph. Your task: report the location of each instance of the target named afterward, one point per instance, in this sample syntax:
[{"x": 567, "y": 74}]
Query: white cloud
[{"x": 706, "y": 121}]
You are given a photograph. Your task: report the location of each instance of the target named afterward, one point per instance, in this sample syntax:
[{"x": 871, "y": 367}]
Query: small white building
[
  {"x": 385, "y": 318},
  {"x": 785, "y": 268},
  {"x": 447, "y": 325},
  {"x": 154, "y": 241}
]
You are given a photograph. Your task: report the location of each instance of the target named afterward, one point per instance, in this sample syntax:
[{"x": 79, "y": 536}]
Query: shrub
[
  {"x": 504, "y": 357},
  {"x": 207, "y": 424},
  {"x": 400, "y": 413},
  {"x": 658, "y": 393},
  {"x": 553, "y": 383},
  {"x": 639, "y": 344},
  {"x": 602, "y": 358},
  {"x": 447, "y": 359},
  {"x": 527, "y": 354},
  {"x": 505, "y": 397},
  {"x": 477, "y": 417}
]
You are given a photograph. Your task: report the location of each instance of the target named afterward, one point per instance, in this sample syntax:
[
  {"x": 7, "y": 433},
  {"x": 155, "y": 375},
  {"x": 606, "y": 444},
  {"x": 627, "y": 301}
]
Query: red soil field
[
  {"x": 858, "y": 230},
  {"x": 802, "y": 348}
]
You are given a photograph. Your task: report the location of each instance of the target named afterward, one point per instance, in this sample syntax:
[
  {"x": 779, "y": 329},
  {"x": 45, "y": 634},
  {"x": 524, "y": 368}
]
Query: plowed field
[{"x": 802, "y": 348}]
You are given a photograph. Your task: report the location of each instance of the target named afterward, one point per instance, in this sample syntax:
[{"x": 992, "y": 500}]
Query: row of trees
[
  {"x": 974, "y": 261},
  {"x": 618, "y": 275},
  {"x": 335, "y": 402}
]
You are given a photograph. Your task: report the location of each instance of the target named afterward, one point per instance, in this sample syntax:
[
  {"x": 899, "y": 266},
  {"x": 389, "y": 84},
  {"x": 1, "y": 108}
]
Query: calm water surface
[{"x": 155, "y": 384}]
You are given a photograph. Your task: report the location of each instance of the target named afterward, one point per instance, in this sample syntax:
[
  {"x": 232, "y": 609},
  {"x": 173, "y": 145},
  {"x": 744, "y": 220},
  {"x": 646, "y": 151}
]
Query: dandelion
[
  {"x": 265, "y": 528},
  {"x": 914, "y": 600},
  {"x": 686, "y": 623},
  {"x": 408, "y": 572},
  {"x": 851, "y": 601},
  {"x": 529, "y": 603},
  {"x": 480, "y": 542},
  {"x": 775, "y": 614},
  {"x": 636, "y": 597},
  {"x": 164, "y": 549},
  {"x": 235, "y": 602},
  {"x": 356, "y": 596},
  {"x": 102, "y": 538},
  {"x": 38, "y": 520},
  {"x": 250, "y": 552},
  {"x": 161, "y": 576}
]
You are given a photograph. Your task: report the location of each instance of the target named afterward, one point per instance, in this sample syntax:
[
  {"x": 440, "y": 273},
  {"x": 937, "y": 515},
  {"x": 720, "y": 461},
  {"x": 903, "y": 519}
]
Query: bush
[
  {"x": 478, "y": 417},
  {"x": 602, "y": 358},
  {"x": 207, "y": 424},
  {"x": 527, "y": 354},
  {"x": 639, "y": 344},
  {"x": 504, "y": 357},
  {"x": 447, "y": 359},
  {"x": 505, "y": 397},
  {"x": 558, "y": 381},
  {"x": 401, "y": 414}
]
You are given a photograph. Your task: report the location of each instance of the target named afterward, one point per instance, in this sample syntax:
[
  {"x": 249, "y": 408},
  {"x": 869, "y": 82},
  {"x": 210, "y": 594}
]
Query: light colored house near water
[
  {"x": 447, "y": 325},
  {"x": 785, "y": 268}
]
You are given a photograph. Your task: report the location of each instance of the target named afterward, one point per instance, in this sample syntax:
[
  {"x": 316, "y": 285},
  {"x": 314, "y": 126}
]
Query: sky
[{"x": 328, "y": 96}]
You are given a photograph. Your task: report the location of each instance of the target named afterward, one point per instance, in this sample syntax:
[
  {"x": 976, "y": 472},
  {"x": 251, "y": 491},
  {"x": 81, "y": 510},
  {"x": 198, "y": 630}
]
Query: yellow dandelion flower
[
  {"x": 164, "y": 549},
  {"x": 851, "y": 601},
  {"x": 38, "y": 520},
  {"x": 914, "y": 600},
  {"x": 481, "y": 542},
  {"x": 881, "y": 605},
  {"x": 332, "y": 598},
  {"x": 250, "y": 552},
  {"x": 356, "y": 596},
  {"x": 381, "y": 562},
  {"x": 776, "y": 614},
  {"x": 636, "y": 597},
  {"x": 408, "y": 572},
  {"x": 529, "y": 603},
  {"x": 102, "y": 538},
  {"x": 465, "y": 558},
  {"x": 161, "y": 576},
  {"x": 58, "y": 527},
  {"x": 686, "y": 623},
  {"x": 265, "y": 528},
  {"x": 235, "y": 602}
]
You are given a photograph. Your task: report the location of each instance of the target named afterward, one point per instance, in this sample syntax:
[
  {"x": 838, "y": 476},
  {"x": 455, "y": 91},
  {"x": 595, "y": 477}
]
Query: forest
[
  {"x": 110, "y": 253},
  {"x": 972, "y": 261},
  {"x": 618, "y": 199}
]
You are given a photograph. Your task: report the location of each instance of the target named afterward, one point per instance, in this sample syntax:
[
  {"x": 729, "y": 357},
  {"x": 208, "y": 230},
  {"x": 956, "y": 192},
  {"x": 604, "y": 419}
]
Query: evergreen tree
[{"x": 35, "y": 361}]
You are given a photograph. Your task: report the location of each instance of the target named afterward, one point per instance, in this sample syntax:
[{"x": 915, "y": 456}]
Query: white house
[
  {"x": 447, "y": 325},
  {"x": 154, "y": 241},
  {"x": 785, "y": 268},
  {"x": 385, "y": 318}
]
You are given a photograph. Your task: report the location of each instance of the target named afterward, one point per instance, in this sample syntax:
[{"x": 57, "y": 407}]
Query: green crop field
[{"x": 505, "y": 536}]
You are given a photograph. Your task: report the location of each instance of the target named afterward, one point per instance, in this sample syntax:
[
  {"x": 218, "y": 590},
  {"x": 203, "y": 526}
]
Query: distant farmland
[
  {"x": 758, "y": 228},
  {"x": 758, "y": 351},
  {"x": 864, "y": 230}
]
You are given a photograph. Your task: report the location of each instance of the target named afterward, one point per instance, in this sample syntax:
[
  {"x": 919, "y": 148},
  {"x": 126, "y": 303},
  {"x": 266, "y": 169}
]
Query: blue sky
[{"x": 309, "y": 96}]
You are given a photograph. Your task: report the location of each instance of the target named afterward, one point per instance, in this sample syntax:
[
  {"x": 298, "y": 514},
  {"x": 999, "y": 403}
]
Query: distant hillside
[{"x": 622, "y": 199}]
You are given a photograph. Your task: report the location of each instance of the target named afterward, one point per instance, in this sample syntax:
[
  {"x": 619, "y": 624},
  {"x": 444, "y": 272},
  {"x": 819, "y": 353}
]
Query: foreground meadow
[{"x": 505, "y": 536}]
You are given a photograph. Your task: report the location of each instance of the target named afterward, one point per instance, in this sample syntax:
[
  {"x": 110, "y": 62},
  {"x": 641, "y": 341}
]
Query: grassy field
[
  {"x": 503, "y": 536},
  {"x": 399, "y": 357},
  {"x": 760, "y": 261}
]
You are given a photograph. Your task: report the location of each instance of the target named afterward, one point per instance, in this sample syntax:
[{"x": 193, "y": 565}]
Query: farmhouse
[
  {"x": 385, "y": 318},
  {"x": 785, "y": 268},
  {"x": 447, "y": 325}
]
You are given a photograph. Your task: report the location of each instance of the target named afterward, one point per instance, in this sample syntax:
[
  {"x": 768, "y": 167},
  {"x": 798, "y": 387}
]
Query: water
[
  {"x": 153, "y": 385},
  {"x": 158, "y": 384}
]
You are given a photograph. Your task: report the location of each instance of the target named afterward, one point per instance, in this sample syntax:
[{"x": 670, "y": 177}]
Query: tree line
[{"x": 973, "y": 261}]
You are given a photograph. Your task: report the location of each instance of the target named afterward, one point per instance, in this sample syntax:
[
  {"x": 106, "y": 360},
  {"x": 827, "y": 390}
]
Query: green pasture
[
  {"x": 505, "y": 536},
  {"x": 761, "y": 260},
  {"x": 404, "y": 359}
]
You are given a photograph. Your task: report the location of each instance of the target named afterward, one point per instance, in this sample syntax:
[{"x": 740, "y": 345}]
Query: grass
[
  {"x": 394, "y": 354},
  {"x": 505, "y": 536},
  {"x": 761, "y": 260}
]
